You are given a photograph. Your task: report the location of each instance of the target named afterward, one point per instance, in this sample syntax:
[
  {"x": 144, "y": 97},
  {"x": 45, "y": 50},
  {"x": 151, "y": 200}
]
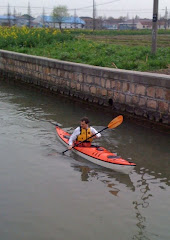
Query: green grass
[{"x": 75, "y": 48}]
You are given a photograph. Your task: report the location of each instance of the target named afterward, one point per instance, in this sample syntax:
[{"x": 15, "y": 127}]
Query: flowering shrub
[{"x": 30, "y": 37}]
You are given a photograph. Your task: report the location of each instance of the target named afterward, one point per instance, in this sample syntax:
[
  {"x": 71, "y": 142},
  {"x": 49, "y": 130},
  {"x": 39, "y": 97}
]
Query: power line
[
  {"x": 22, "y": 7},
  {"x": 121, "y": 10},
  {"x": 38, "y": 10},
  {"x": 98, "y": 4},
  {"x": 114, "y": 10},
  {"x": 68, "y": 9}
]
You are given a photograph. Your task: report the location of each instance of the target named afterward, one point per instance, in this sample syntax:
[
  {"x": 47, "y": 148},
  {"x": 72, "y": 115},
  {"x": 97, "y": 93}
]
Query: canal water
[{"x": 45, "y": 195}]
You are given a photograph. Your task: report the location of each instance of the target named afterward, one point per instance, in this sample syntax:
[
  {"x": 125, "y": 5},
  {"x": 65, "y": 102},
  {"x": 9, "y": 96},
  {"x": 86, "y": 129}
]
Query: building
[
  {"x": 7, "y": 20},
  {"x": 97, "y": 24},
  {"x": 164, "y": 24},
  {"x": 146, "y": 23},
  {"x": 111, "y": 23},
  {"x": 131, "y": 25},
  {"x": 66, "y": 22},
  {"x": 19, "y": 21}
]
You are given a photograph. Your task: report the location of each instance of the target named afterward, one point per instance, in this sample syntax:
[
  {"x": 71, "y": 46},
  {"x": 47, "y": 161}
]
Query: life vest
[{"x": 84, "y": 134}]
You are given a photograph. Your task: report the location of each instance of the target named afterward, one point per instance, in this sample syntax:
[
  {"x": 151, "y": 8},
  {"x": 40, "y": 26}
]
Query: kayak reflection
[{"x": 110, "y": 178}]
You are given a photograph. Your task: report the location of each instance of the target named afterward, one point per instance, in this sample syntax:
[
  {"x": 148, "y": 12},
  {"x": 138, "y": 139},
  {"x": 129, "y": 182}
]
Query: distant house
[
  {"x": 131, "y": 25},
  {"x": 127, "y": 26},
  {"x": 24, "y": 20},
  {"x": 7, "y": 20},
  {"x": 90, "y": 24},
  {"x": 38, "y": 24},
  {"x": 146, "y": 23},
  {"x": 111, "y": 24},
  {"x": 67, "y": 22},
  {"x": 163, "y": 24}
]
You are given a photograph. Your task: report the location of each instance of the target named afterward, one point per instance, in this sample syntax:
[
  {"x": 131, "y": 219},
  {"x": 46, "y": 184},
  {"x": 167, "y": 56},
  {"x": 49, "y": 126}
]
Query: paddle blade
[{"x": 116, "y": 122}]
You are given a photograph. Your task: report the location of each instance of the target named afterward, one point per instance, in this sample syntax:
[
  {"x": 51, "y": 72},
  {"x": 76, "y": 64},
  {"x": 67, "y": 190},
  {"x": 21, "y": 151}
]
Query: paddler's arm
[
  {"x": 93, "y": 131},
  {"x": 73, "y": 137}
]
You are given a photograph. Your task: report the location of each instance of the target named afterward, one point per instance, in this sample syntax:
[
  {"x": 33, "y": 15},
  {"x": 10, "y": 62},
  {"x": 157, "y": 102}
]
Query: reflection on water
[
  {"x": 145, "y": 198},
  {"x": 87, "y": 173},
  {"x": 141, "y": 184},
  {"x": 136, "y": 203}
]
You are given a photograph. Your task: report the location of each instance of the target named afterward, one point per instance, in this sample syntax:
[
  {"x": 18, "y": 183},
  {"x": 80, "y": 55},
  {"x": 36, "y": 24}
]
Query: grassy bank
[{"x": 73, "y": 46}]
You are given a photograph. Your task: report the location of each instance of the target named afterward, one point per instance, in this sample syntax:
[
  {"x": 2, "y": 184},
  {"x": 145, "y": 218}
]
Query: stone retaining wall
[{"x": 143, "y": 94}]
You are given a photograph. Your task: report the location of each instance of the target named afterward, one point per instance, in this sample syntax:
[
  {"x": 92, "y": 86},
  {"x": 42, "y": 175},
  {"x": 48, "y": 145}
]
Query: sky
[{"x": 104, "y": 8}]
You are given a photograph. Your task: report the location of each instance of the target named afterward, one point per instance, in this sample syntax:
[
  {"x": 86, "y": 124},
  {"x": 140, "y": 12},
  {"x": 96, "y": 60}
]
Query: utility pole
[
  {"x": 94, "y": 16},
  {"x": 9, "y": 16},
  {"x": 133, "y": 24},
  {"x": 154, "y": 26},
  {"x": 14, "y": 15},
  {"x": 43, "y": 17},
  {"x": 29, "y": 15},
  {"x": 166, "y": 17},
  {"x": 75, "y": 17}
]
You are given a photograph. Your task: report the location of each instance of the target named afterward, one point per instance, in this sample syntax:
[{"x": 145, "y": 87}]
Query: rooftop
[{"x": 71, "y": 20}]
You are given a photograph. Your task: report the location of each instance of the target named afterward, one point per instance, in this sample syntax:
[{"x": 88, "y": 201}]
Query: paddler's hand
[
  {"x": 94, "y": 137},
  {"x": 70, "y": 147}
]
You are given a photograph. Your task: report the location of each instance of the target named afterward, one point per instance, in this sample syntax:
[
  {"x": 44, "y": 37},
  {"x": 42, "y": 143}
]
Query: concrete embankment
[{"x": 138, "y": 94}]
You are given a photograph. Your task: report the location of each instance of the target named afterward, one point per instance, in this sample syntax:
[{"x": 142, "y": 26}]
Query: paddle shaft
[{"x": 86, "y": 139}]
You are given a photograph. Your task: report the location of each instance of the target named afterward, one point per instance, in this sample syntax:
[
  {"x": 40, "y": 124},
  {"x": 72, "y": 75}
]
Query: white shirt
[{"x": 76, "y": 132}]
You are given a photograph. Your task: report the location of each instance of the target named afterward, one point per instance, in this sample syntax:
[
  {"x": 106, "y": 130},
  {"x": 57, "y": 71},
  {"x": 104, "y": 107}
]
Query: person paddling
[{"x": 81, "y": 133}]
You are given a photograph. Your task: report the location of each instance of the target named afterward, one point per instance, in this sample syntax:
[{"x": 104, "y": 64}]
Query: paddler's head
[{"x": 84, "y": 123}]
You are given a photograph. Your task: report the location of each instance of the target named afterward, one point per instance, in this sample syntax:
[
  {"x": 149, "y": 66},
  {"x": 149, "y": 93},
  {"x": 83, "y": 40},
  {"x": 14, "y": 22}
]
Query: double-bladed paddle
[{"x": 113, "y": 124}]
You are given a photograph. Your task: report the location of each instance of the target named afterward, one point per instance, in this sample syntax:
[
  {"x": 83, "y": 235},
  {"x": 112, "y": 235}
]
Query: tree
[
  {"x": 122, "y": 18},
  {"x": 110, "y": 19},
  {"x": 59, "y": 13},
  {"x": 137, "y": 17}
]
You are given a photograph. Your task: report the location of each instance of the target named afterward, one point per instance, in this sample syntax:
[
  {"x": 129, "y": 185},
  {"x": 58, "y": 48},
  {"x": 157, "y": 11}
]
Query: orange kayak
[{"x": 98, "y": 155}]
